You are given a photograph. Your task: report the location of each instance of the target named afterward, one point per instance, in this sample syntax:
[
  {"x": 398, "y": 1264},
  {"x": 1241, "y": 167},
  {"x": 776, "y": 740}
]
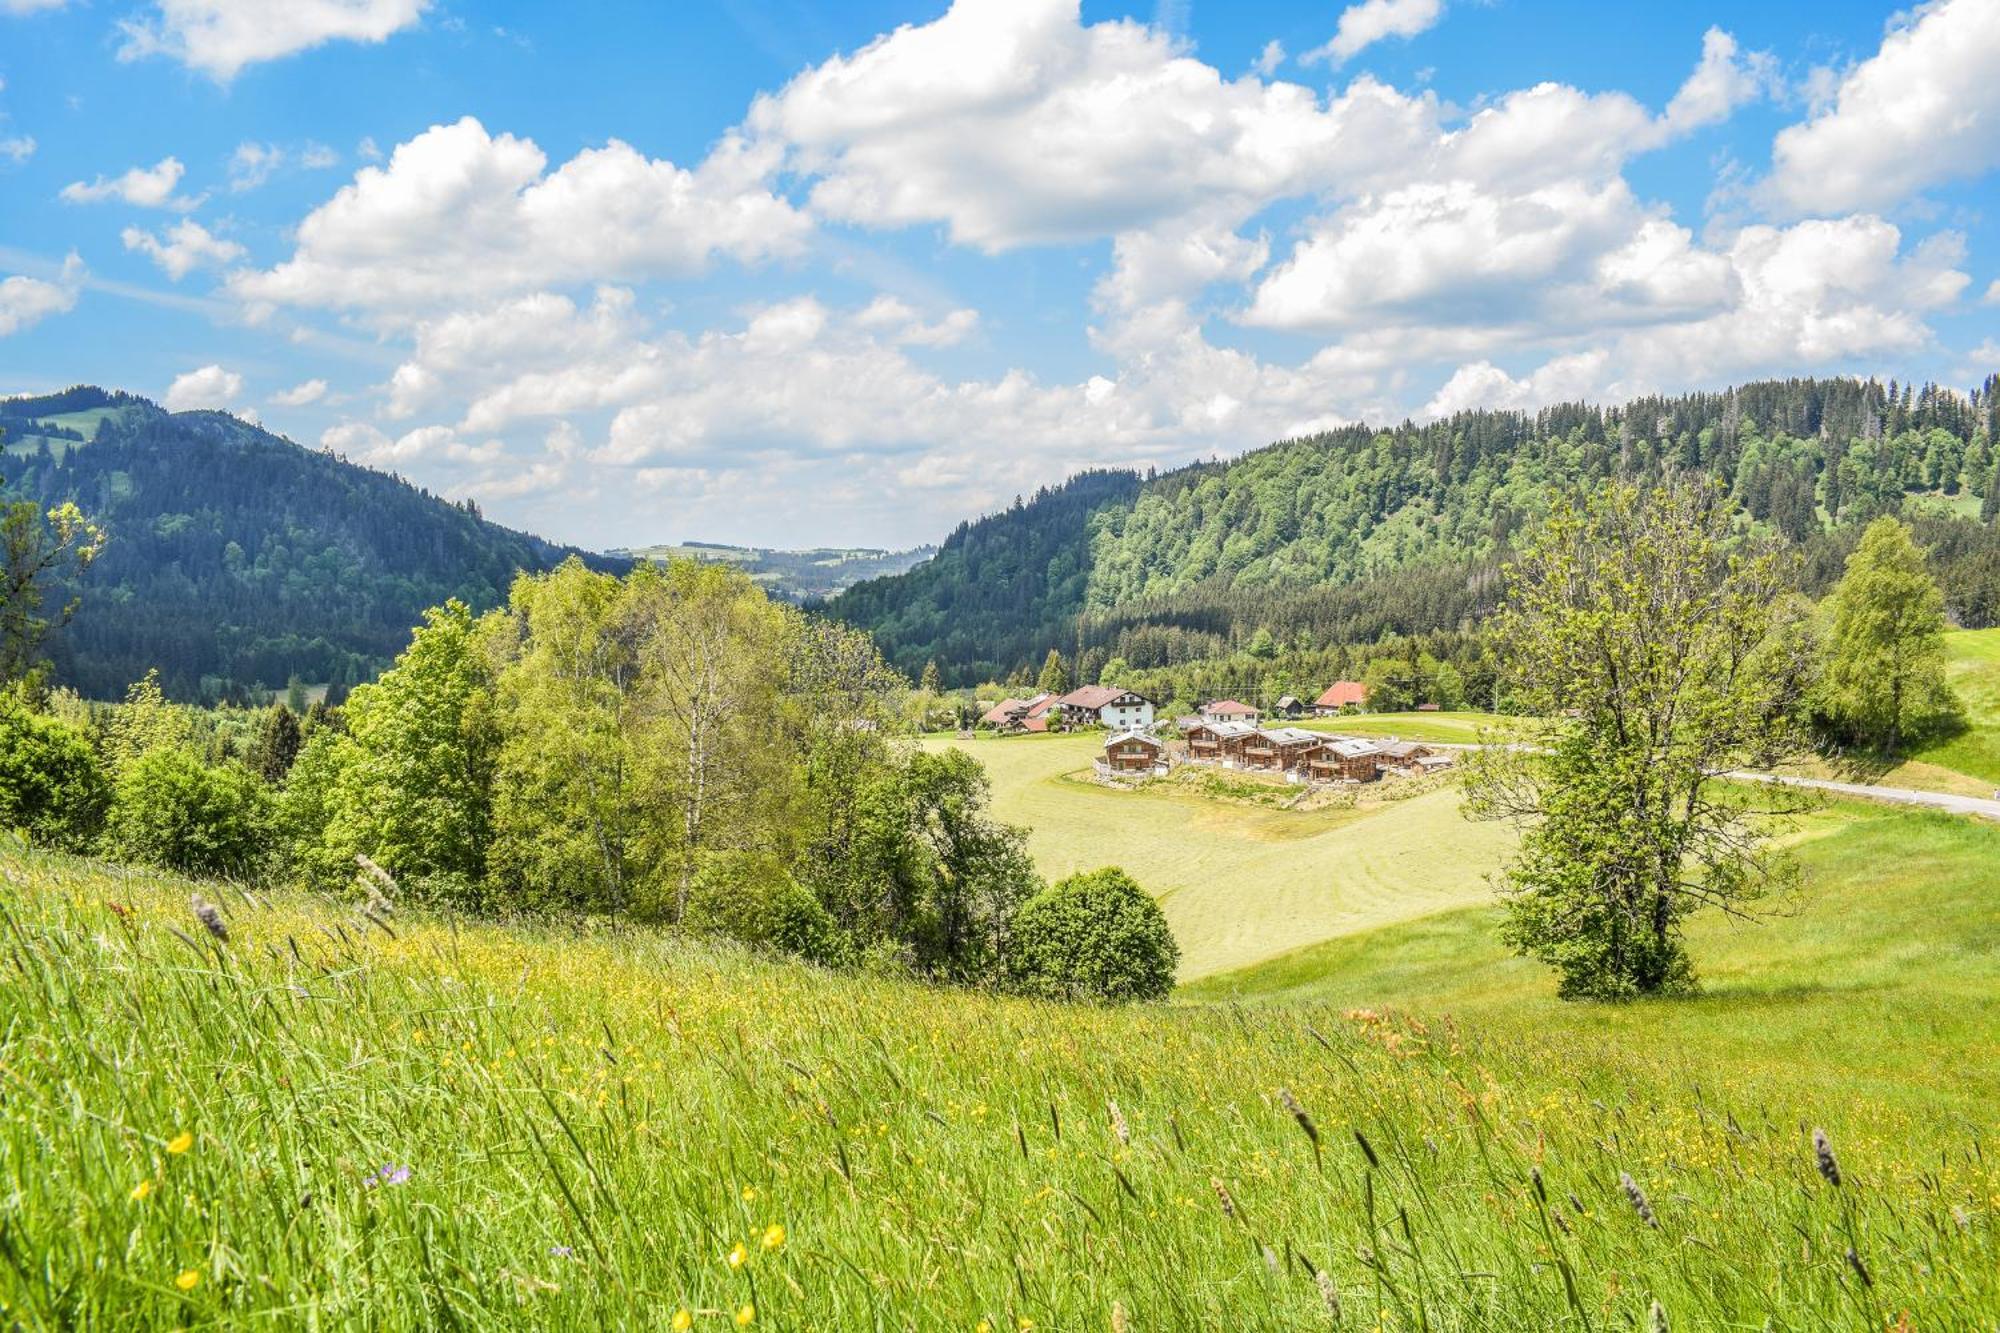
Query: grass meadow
[{"x": 318, "y": 1123}]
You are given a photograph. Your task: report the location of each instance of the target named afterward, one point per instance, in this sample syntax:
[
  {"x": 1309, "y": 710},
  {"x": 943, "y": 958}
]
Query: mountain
[
  {"x": 238, "y": 559},
  {"x": 1347, "y": 535},
  {"x": 794, "y": 576}
]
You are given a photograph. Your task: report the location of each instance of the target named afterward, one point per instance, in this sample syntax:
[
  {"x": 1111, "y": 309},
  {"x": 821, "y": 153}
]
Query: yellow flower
[
  {"x": 683, "y": 1321},
  {"x": 746, "y": 1316},
  {"x": 142, "y": 1189},
  {"x": 774, "y": 1236},
  {"x": 738, "y": 1256},
  {"x": 181, "y": 1142},
  {"x": 985, "y": 1326},
  {"x": 749, "y": 1194},
  {"x": 186, "y": 1281},
  {"x": 1025, "y": 1323}
]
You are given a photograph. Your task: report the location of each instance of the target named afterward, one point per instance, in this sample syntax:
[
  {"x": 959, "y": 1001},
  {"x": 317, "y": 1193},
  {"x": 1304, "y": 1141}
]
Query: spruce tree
[
  {"x": 1884, "y": 678},
  {"x": 1055, "y": 676}
]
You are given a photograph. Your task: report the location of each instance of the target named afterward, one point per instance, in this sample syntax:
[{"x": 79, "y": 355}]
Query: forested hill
[
  {"x": 1362, "y": 531},
  {"x": 236, "y": 558}
]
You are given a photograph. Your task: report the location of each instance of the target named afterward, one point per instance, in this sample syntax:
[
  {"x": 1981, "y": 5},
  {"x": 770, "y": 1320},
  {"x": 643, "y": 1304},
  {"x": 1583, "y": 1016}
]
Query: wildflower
[
  {"x": 984, "y": 1326},
  {"x": 142, "y": 1189},
  {"x": 187, "y": 1280},
  {"x": 1024, "y": 1324},
  {"x": 1829, "y": 1165},
  {"x": 390, "y": 1174},
  {"x": 738, "y": 1256},
  {"x": 210, "y": 917},
  {"x": 561, "y": 1251},
  {"x": 181, "y": 1142},
  {"x": 774, "y": 1236},
  {"x": 1640, "y": 1204},
  {"x": 683, "y": 1320},
  {"x": 746, "y": 1316},
  {"x": 749, "y": 1194}
]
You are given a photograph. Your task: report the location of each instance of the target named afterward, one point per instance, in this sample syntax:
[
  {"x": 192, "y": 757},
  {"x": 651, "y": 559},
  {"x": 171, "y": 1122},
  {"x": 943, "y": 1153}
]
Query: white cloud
[
  {"x": 183, "y": 247},
  {"x": 1923, "y": 110},
  {"x": 1012, "y": 123},
  {"x": 220, "y": 37},
  {"x": 1484, "y": 385},
  {"x": 142, "y": 187},
  {"x": 26, "y": 301},
  {"x": 458, "y": 214},
  {"x": 1992, "y": 296},
  {"x": 365, "y": 444},
  {"x": 300, "y": 395},
  {"x": 1270, "y": 58},
  {"x": 254, "y": 163},
  {"x": 29, "y": 6},
  {"x": 209, "y": 387},
  {"x": 1370, "y": 21},
  {"x": 17, "y": 148},
  {"x": 1722, "y": 82}
]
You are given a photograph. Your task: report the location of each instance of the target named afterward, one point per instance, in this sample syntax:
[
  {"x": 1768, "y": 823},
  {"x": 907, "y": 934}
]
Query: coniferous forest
[
  {"x": 1354, "y": 534},
  {"x": 235, "y": 559}
]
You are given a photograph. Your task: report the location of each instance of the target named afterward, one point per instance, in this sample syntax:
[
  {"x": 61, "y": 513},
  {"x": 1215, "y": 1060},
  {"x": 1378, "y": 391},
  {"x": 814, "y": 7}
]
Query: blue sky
[{"x": 791, "y": 273}]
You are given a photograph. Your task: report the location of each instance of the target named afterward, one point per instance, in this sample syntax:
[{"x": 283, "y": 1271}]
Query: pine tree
[
  {"x": 1055, "y": 676},
  {"x": 278, "y": 744},
  {"x": 1991, "y": 509},
  {"x": 930, "y": 683}
]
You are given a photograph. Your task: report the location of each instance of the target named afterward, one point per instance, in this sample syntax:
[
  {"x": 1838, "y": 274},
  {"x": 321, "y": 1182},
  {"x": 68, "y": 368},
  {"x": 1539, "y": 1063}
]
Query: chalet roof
[
  {"x": 1435, "y": 760},
  {"x": 1292, "y": 735},
  {"x": 1228, "y": 730},
  {"x": 1040, "y": 705},
  {"x": 1186, "y": 722},
  {"x": 1402, "y": 749},
  {"x": 1342, "y": 693},
  {"x": 1144, "y": 738},
  {"x": 1093, "y": 696},
  {"x": 1287, "y": 702},
  {"x": 1229, "y": 708},
  {"x": 1035, "y": 724},
  {"x": 1349, "y": 747},
  {"x": 1001, "y": 711}
]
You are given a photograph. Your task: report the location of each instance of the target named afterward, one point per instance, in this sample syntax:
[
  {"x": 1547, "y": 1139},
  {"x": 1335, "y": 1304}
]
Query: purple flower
[
  {"x": 561, "y": 1251},
  {"x": 390, "y": 1174}
]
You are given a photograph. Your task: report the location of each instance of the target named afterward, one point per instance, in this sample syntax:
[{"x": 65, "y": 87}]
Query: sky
[{"x": 789, "y": 273}]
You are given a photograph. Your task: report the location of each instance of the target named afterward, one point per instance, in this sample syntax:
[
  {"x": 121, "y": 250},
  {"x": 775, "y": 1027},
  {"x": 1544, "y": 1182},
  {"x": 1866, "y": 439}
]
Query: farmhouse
[
  {"x": 1106, "y": 706},
  {"x": 1342, "y": 759},
  {"x": 1289, "y": 707},
  {"x": 1218, "y": 742},
  {"x": 1133, "y": 752},
  {"x": 1021, "y": 714},
  {"x": 1228, "y": 710},
  {"x": 1340, "y": 697}
]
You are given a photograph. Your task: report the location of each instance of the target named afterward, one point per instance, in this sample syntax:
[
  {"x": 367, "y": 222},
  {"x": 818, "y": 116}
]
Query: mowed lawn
[
  {"x": 1880, "y": 983},
  {"x": 1973, "y": 665},
  {"x": 1462, "y": 728},
  {"x": 1240, "y": 883}
]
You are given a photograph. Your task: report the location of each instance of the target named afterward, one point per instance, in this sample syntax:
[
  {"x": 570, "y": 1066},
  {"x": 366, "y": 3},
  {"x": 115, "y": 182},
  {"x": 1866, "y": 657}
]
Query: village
[{"x": 1224, "y": 732}]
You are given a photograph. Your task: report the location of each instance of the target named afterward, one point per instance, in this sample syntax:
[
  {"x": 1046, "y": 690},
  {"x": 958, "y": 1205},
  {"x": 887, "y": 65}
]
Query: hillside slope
[
  {"x": 1348, "y": 534},
  {"x": 237, "y": 558},
  {"x": 464, "y": 1125}
]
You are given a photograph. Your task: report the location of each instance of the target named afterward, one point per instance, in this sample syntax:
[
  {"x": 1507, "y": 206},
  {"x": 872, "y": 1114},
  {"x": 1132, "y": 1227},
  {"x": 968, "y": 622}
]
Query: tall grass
[{"x": 321, "y": 1122}]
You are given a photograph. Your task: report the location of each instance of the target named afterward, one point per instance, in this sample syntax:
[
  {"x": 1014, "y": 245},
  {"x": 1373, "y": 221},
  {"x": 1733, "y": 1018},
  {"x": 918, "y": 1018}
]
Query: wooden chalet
[
  {"x": 1290, "y": 707},
  {"x": 1278, "y": 749},
  {"x": 1218, "y": 742},
  {"x": 1342, "y": 759},
  {"x": 1401, "y": 756},
  {"x": 1135, "y": 753}
]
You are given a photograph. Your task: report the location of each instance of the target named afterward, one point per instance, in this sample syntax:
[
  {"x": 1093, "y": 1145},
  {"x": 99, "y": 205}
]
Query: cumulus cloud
[
  {"x": 183, "y": 247},
  {"x": 1992, "y": 296},
  {"x": 1367, "y": 23},
  {"x": 29, "y": 6},
  {"x": 209, "y": 387},
  {"x": 220, "y": 37},
  {"x": 1725, "y": 79},
  {"x": 300, "y": 395},
  {"x": 254, "y": 163},
  {"x": 459, "y": 214},
  {"x": 1922, "y": 110},
  {"x": 17, "y": 148},
  {"x": 26, "y": 301},
  {"x": 142, "y": 187}
]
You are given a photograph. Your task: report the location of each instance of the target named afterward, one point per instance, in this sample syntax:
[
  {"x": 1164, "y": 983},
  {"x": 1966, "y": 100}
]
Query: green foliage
[
  {"x": 751, "y": 897},
  {"x": 1055, "y": 675},
  {"x": 1884, "y": 680},
  {"x": 53, "y": 789},
  {"x": 317, "y": 567},
  {"x": 1629, "y": 624},
  {"x": 172, "y": 810},
  {"x": 1093, "y": 936},
  {"x": 278, "y": 743}
]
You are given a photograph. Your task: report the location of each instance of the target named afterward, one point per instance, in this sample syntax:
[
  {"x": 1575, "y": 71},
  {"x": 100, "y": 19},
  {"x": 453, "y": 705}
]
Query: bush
[
  {"x": 752, "y": 898},
  {"x": 1094, "y": 936},
  {"x": 52, "y": 787},
  {"x": 173, "y": 811}
]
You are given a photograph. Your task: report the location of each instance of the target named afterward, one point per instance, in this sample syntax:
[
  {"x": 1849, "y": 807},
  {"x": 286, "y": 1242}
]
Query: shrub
[
  {"x": 171, "y": 810},
  {"x": 52, "y": 787},
  {"x": 751, "y": 897},
  {"x": 1094, "y": 936}
]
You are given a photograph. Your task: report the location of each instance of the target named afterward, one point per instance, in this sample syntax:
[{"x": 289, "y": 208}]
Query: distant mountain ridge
[
  {"x": 793, "y": 575},
  {"x": 237, "y": 558},
  {"x": 1346, "y": 535}
]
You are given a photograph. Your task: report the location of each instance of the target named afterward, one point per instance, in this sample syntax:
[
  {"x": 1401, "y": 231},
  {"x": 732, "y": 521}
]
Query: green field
[
  {"x": 1241, "y": 884},
  {"x": 1974, "y": 669},
  {"x": 1462, "y": 728},
  {"x": 319, "y": 1124}
]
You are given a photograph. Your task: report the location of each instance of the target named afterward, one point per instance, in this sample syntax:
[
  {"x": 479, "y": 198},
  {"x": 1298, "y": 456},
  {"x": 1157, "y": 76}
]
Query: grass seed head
[
  {"x": 210, "y": 917},
  {"x": 1829, "y": 1165},
  {"x": 1223, "y": 1196},
  {"x": 1118, "y": 1125},
  {"x": 1328, "y": 1293},
  {"x": 1298, "y": 1113},
  {"x": 1658, "y": 1321},
  {"x": 1640, "y": 1204},
  {"x": 1860, "y": 1269}
]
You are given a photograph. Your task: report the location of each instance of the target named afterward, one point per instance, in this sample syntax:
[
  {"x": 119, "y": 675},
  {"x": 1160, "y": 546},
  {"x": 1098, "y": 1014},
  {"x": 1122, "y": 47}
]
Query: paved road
[{"x": 1981, "y": 806}]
